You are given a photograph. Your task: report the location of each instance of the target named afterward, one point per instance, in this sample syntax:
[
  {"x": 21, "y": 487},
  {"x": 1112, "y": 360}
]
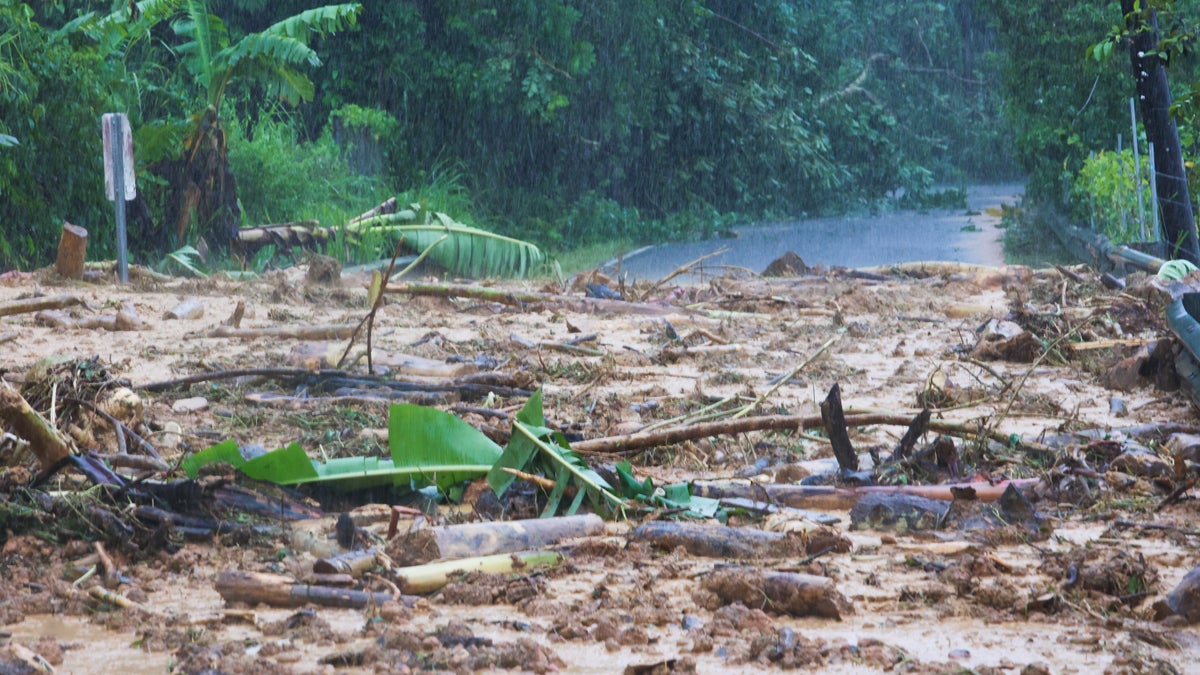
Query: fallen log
[
  {"x": 277, "y": 590},
  {"x": 420, "y": 579},
  {"x": 642, "y": 440},
  {"x": 523, "y": 298},
  {"x": 27, "y": 305},
  {"x": 829, "y": 497},
  {"x": 327, "y": 332},
  {"x": 782, "y": 592},
  {"x": 717, "y": 541},
  {"x": 44, "y": 440},
  {"x": 475, "y": 539}
]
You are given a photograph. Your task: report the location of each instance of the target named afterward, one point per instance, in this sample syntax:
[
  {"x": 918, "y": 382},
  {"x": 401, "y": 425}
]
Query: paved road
[{"x": 858, "y": 241}]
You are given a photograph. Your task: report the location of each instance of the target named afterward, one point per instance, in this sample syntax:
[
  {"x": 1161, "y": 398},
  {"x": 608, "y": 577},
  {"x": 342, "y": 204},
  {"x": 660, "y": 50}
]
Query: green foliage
[
  {"x": 1105, "y": 191},
  {"x": 282, "y": 177}
]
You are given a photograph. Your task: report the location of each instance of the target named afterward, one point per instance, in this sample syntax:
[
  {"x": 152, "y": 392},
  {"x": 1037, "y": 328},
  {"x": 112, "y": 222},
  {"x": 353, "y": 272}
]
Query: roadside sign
[{"x": 108, "y": 120}]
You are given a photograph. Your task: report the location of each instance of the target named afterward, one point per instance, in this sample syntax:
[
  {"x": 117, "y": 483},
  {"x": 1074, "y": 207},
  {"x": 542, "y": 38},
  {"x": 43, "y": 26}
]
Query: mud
[{"x": 1073, "y": 595}]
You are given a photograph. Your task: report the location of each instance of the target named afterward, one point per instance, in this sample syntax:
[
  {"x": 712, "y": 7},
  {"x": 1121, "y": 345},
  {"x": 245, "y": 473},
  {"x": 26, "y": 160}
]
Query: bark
[{"x": 1154, "y": 98}]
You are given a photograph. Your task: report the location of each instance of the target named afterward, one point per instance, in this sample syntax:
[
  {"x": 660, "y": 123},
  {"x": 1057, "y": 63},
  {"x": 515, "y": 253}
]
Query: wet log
[
  {"x": 421, "y": 579},
  {"x": 835, "y": 428},
  {"x": 523, "y": 298},
  {"x": 44, "y": 440},
  {"x": 642, "y": 440},
  {"x": 72, "y": 251},
  {"x": 828, "y": 497},
  {"x": 353, "y": 563},
  {"x": 781, "y": 592},
  {"x": 276, "y": 590},
  {"x": 326, "y": 332},
  {"x": 717, "y": 541},
  {"x": 28, "y": 305},
  {"x": 475, "y": 539}
]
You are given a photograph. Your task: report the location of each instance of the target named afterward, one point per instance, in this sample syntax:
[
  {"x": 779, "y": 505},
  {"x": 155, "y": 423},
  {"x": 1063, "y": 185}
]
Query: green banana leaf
[
  {"x": 428, "y": 447},
  {"x": 534, "y": 448},
  {"x": 468, "y": 251},
  {"x": 673, "y": 496}
]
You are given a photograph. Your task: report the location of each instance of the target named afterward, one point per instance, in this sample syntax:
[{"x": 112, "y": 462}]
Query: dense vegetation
[{"x": 558, "y": 121}]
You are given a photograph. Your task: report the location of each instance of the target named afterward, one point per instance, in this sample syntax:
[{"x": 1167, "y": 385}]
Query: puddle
[{"x": 86, "y": 645}]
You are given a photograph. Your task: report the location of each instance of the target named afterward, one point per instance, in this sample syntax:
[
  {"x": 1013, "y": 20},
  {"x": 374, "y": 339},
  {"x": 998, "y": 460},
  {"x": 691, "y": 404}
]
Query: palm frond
[{"x": 207, "y": 36}]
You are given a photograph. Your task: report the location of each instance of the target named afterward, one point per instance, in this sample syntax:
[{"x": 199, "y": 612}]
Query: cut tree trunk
[{"x": 72, "y": 251}]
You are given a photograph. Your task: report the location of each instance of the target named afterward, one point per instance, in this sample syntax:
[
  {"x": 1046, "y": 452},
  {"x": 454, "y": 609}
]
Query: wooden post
[{"x": 72, "y": 251}]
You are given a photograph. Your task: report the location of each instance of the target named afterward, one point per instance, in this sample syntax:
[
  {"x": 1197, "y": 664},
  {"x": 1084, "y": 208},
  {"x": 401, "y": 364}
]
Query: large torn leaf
[
  {"x": 467, "y": 250},
  {"x": 428, "y": 447},
  {"x": 534, "y": 448}
]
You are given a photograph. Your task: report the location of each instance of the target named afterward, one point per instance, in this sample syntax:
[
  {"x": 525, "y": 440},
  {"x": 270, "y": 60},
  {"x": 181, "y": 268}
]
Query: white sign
[{"x": 106, "y": 125}]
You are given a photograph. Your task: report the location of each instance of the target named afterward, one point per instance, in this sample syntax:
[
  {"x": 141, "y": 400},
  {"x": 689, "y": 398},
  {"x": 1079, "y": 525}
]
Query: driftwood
[
  {"x": 642, "y": 440},
  {"x": 277, "y": 590},
  {"x": 783, "y": 592},
  {"x": 828, "y": 497},
  {"x": 339, "y": 331},
  {"x": 524, "y": 298},
  {"x": 28, "y": 305},
  {"x": 72, "y": 251},
  {"x": 121, "y": 321},
  {"x": 188, "y": 308},
  {"x": 430, "y": 577},
  {"x": 475, "y": 539},
  {"x": 353, "y": 563},
  {"x": 470, "y": 386},
  {"x": 44, "y": 440},
  {"x": 730, "y": 543}
]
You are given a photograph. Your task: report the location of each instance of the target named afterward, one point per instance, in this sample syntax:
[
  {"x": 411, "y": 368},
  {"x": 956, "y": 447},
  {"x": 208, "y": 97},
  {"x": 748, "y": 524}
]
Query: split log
[
  {"x": 475, "y": 539},
  {"x": 828, "y": 497},
  {"x": 836, "y": 431},
  {"x": 44, "y": 440},
  {"x": 72, "y": 251},
  {"x": 38, "y": 304},
  {"x": 717, "y": 541},
  {"x": 430, "y": 577},
  {"x": 782, "y": 592},
  {"x": 277, "y": 590}
]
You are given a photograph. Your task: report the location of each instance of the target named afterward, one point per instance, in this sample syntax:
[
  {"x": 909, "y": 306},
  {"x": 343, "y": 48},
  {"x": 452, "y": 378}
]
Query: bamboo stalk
[{"x": 433, "y": 576}]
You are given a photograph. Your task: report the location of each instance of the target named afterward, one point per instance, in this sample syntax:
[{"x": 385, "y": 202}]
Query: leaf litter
[{"x": 1020, "y": 496}]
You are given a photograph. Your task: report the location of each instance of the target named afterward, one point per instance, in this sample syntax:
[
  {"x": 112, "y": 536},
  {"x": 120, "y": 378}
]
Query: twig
[
  {"x": 758, "y": 401},
  {"x": 682, "y": 269}
]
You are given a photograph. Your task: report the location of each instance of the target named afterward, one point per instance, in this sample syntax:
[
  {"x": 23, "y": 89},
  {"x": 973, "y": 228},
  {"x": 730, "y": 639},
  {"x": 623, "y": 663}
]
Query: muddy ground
[{"x": 1076, "y": 594}]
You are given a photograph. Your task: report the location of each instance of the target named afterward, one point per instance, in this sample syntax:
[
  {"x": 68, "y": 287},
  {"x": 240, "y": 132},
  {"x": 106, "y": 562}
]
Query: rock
[
  {"x": 193, "y": 404},
  {"x": 324, "y": 270},
  {"x": 787, "y": 265},
  {"x": 1185, "y": 599}
]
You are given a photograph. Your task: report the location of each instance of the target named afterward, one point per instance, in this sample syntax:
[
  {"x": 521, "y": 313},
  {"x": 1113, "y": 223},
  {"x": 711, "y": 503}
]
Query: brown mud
[{"x": 1076, "y": 597}]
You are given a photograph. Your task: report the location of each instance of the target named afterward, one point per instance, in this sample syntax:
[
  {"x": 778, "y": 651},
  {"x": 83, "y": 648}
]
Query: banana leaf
[
  {"x": 428, "y": 447},
  {"x": 468, "y": 251},
  {"x": 534, "y": 448}
]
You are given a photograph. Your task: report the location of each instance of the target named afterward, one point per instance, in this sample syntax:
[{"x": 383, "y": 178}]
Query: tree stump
[{"x": 72, "y": 251}]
